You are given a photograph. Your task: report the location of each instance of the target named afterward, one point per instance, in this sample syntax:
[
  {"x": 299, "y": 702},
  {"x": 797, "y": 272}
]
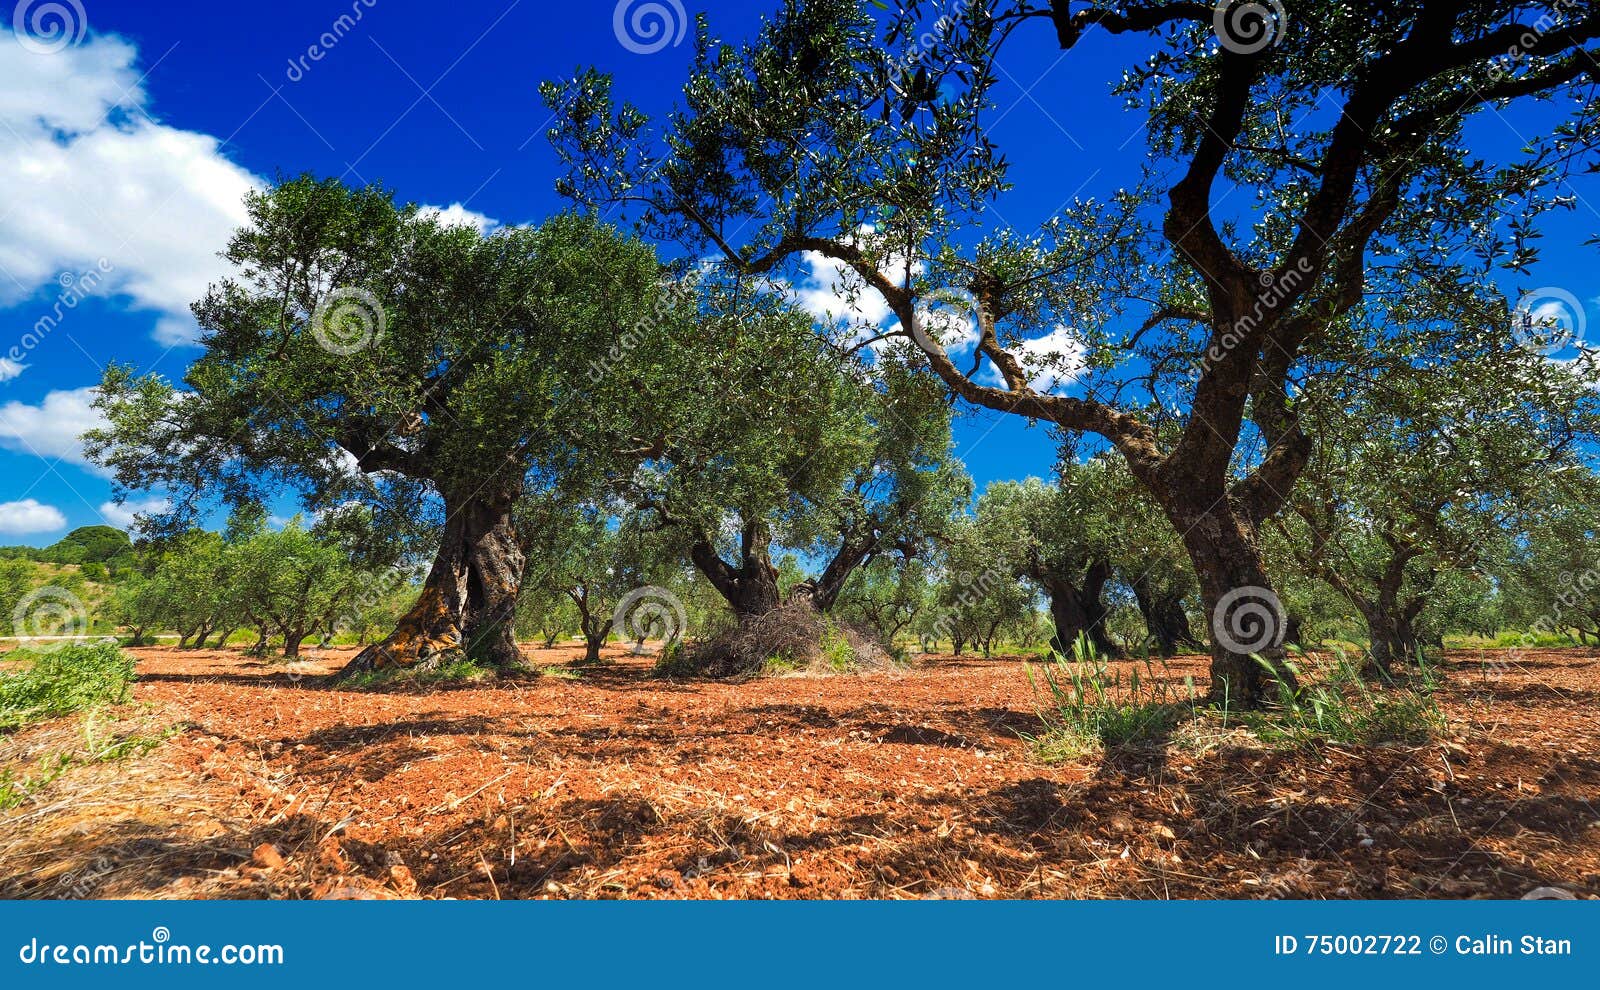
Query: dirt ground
[{"x": 900, "y": 784}]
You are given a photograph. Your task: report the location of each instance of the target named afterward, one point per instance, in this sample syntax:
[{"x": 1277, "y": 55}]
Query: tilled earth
[{"x": 915, "y": 783}]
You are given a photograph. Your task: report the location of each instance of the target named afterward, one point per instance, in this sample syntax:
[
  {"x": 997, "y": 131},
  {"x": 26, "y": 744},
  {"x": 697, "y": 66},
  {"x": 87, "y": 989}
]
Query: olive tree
[
  {"x": 364, "y": 352},
  {"x": 861, "y": 134},
  {"x": 1427, "y": 473}
]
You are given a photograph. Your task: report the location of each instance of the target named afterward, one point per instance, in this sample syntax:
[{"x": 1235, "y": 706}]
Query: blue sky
[{"x": 129, "y": 138}]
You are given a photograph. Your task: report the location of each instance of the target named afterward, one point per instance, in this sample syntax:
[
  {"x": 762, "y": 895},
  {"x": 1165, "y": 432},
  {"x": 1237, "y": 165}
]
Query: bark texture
[
  {"x": 1077, "y": 608},
  {"x": 467, "y": 608},
  {"x": 1164, "y": 617}
]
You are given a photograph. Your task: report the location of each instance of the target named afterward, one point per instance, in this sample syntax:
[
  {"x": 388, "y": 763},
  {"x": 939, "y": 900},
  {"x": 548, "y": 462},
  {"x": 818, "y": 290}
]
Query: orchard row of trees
[
  {"x": 1033, "y": 563},
  {"x": 284, "y": 585},
  {"x": 1328, "y": 383}
]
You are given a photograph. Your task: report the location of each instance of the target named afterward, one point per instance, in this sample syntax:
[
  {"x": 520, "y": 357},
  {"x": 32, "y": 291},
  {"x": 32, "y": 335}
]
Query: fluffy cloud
[
  {"x": 89, "y": 176},
  {"x": 457, "y": 215},
  {"x": 10, "y": 369},
  {"x": 832, "y": 293},
  {"x": 1051, "y": 362},
  {"x": 52, "y": 428},
  {"x": 123, "y": 515},
  {"x": 30, "y": 516}
]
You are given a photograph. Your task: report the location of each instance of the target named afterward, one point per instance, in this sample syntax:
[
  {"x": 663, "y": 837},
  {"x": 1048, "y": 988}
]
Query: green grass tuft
[
  {"x": 62, "y": 681},
  {"x": 1089, "y": 707},
  {"x": 1344, "y": 706}
]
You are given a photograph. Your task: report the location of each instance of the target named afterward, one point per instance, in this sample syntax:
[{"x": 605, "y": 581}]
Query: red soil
[{"x": 899, "y": 784}]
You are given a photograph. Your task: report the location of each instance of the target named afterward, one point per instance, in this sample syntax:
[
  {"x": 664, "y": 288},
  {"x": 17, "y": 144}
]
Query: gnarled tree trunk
[
  {"x": 1164, "y": 617},
  {"x": 595, "y": 626},
  {"x": 1391, "y": 629},
  {"x": 1244, "y": 617},
  {"x": 750, "y": 587},
  {"x": 1079, "y": 609},
  {"x": 467, "y": 608}
]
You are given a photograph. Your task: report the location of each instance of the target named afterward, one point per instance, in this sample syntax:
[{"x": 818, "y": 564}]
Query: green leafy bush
[{"x": 59, "y": 682}]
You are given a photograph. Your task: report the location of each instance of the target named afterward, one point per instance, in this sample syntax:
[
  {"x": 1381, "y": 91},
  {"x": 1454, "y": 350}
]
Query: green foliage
[
  {"x": 1342, "y": 705},
  {"x": 61, "y": 681},
  {"x": 888, "y": 597},
  {"x": 1088, "y": 705},
  {"x": 978, "y": 599},
  {"x": 1552, "y": 576},
  {"x": 1420, "y": 486},
  {"x": 675, "y": 662},
  {"x": 105, "y": 547},
  {"x": 458, "y": 671},
  {"x": 16, "y": 580}
]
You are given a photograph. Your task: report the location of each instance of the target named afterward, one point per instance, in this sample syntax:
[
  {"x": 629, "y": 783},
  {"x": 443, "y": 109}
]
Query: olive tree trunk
[
  {"x": 467, "y": 609},
  {"x": 1079, "y": 609},
  {"x": 1164, "y": 617},
  {"x": 1245, "y": 619},
  {"x": 750, "y": 587}
]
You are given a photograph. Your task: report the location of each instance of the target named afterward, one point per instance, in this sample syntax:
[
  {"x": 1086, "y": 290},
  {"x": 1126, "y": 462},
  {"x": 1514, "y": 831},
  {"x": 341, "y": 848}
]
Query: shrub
[
  {"x": 63, "y": 681},
  {"x": 1090, "y": 706},
  {"x": 1343, "y": 706},
  {"x": 792, "y": 637}
]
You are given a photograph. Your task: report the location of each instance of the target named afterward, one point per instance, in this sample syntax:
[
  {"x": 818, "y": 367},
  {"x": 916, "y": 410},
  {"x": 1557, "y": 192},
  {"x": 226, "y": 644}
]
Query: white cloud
[
  {"x": 53, "y": 427},
  {"x": 88, "y": 175},
  {"x": 10, "y": 369},
  {"x": 831, "y": 293},
  {"x": 123, "y": 515},
  {"x": 30, "y": 516},
  {"x": 1051, "y": 362},
  {"x": 457, "y": 215}
]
